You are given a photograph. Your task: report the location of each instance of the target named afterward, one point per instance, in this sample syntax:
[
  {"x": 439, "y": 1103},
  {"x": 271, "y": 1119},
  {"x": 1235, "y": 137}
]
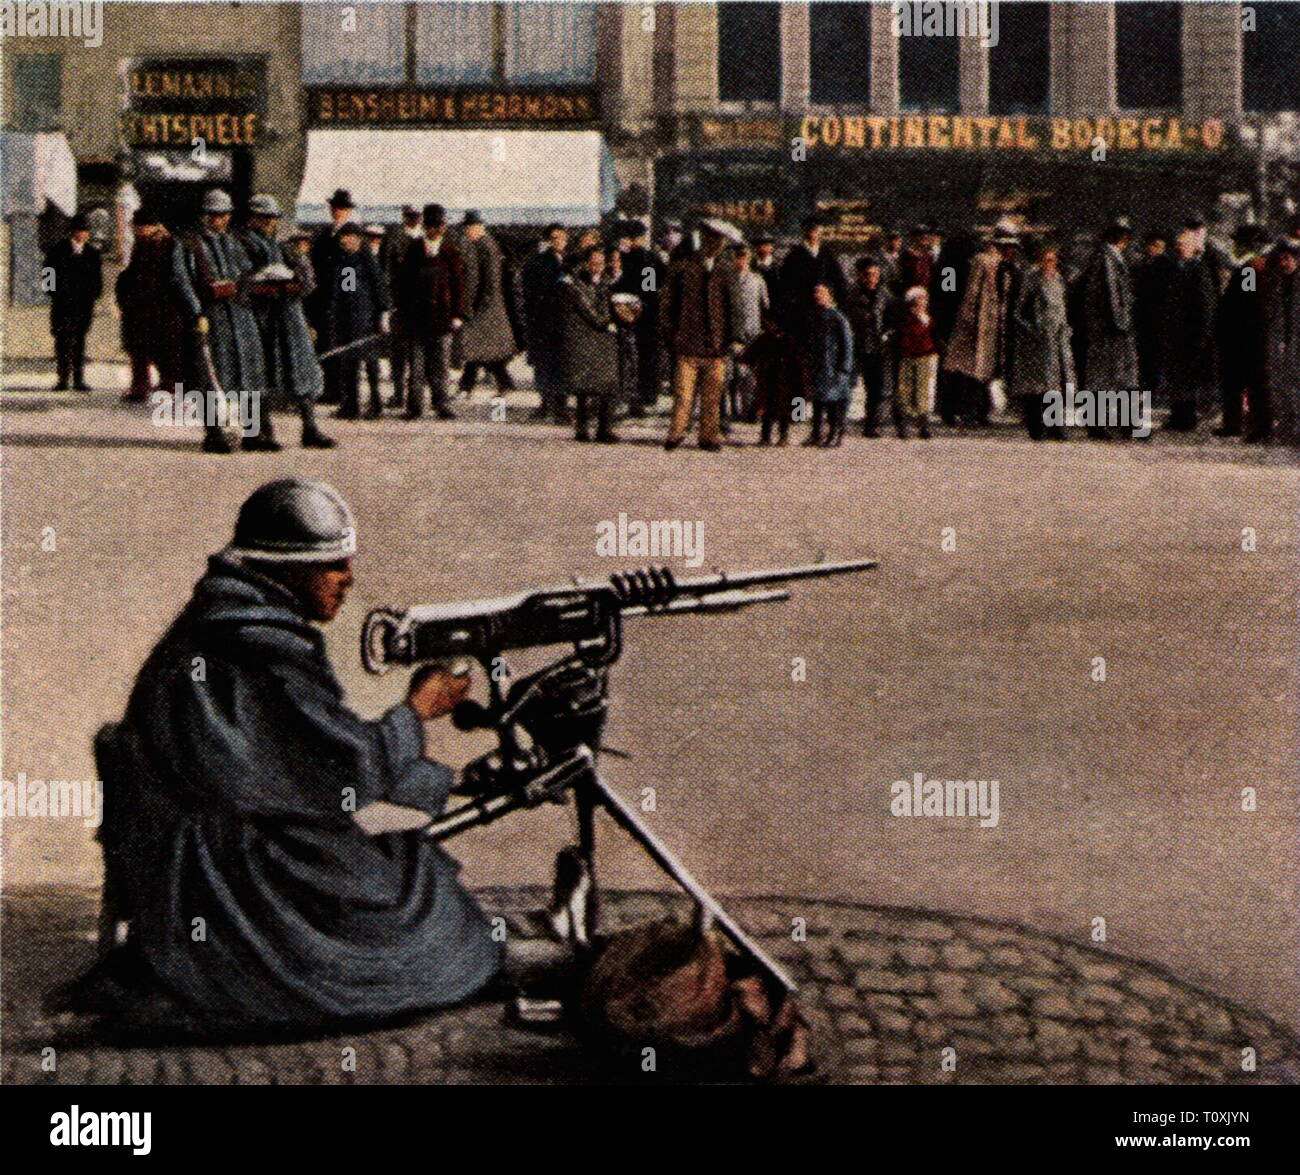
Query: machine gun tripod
[{"x": 548, "y": 723}]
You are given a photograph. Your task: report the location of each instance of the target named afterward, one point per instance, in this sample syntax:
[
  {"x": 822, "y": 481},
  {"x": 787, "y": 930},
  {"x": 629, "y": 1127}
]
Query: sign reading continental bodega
[
  {"x": 954, "y": 132},
  {"x": 175, "y": 102},
  {"x": 411, "y": 107}
]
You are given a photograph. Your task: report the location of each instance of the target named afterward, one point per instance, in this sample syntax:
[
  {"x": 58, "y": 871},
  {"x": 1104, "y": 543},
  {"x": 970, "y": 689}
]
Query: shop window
[
  {"x": 456, "y": 43},
  {"x": 38, "y": 92},
  {"x": 928, "y": 72},
  {"x": 1019, "y": 64},
  {"x": 1149, "y": 54},
  {"x": 840, "y": 37},
  {"x": 353, "y": 44},
  {"x": 550, "y": 44},
  {"x": 749, "y": 51},
  {"x": 1271, "y": 58}
]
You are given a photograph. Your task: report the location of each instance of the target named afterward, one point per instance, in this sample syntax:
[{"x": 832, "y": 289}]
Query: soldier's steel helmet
[
  {"x": 264, "y": 205},
  {"x": 215, "y": 200},
  {"x": 294, "y": 521}
]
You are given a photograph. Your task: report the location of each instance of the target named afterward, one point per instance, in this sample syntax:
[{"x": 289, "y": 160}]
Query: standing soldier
[
  {"x": 356, "y": 308},
  {"x": 152, "y": 329},
  {"x": 225, "y": 347},
  {"x": 1111, "y": 346},
  {"x": 277, "y": 290},
  {"x": 431, "y": 297},
  {"x": 487, "y": 339},
  {"x": 74, "y": 271}
]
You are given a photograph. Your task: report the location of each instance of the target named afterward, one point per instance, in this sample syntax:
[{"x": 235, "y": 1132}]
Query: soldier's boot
[{"x": 312, "y": 437}]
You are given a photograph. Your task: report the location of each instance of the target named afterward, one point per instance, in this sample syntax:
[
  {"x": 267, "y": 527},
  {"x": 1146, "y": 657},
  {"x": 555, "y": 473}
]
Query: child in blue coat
[{"x": 832, "y": 366}]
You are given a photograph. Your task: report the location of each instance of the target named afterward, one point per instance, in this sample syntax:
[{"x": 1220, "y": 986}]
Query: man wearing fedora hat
[
  {"x": 431, "y": 302},
  {"x": 325, "y": 250},
  {"x": 1110, "y": 341},
  {"x": 487, "y": 340},
  {"x": 77, "y": 272}
]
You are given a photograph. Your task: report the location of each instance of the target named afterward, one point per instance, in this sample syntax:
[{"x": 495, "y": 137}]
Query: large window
[
  {"x": 841, "y": 51},
  {"x": 1271, "y": 58},
  {"x": 1149, "y": 54},
  {"x": 449, "y": 44},
  {"x": 1020, "y": 62},
  {"x": 749, "y": 52},
  {"x": 38, "y": 92},
  {"x": 928, "y": 72}
]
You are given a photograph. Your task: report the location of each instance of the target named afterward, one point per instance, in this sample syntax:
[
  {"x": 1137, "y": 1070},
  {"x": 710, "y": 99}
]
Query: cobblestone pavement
[{"x": 887, "y": 991}]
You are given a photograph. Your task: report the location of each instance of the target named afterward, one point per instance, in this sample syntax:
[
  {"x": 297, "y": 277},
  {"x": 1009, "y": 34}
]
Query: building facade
[{"x": 872, "y": 112}]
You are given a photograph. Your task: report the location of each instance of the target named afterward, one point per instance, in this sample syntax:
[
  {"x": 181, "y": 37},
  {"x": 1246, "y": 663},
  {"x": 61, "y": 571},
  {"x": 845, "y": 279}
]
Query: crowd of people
[{"x": 940, "y": 330}]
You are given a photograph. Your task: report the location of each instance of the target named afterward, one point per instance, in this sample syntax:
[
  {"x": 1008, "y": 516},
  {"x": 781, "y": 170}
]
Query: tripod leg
[
  {"x": 586, "y": 802},
  {"x": 707, "y": 906}
]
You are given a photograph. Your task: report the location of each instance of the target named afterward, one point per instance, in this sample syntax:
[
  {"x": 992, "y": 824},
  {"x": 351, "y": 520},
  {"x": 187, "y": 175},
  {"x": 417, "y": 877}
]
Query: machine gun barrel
[{"x": 586, "y": 613}]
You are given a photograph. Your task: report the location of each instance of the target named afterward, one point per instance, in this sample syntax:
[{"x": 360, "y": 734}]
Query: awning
[
  {"x": 507, "y": 176},
  {"x": 36, "y": 169}
]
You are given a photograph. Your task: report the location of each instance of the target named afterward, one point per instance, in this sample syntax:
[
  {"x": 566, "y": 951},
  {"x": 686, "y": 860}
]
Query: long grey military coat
[
  {"x": 200, "y": 259},
  {"x": 292, "y": 372}
]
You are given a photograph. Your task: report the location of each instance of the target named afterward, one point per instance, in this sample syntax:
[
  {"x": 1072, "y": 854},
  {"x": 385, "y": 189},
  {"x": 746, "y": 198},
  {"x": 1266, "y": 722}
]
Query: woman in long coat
[
  {"x": 1044, "y": 356},
  {"x": 589, "y": 345},
  {"x": 487, "y": 339}
]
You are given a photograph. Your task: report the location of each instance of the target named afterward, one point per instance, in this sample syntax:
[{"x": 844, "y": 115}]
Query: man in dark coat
[
  {"x": 1151, "y": 285},
  {"x": 487, "y": 339},
  {"x": 223, "y": 344},
  {"x": 806, "y": 266},
  {"x": 325, "y": 250},
  {"x": 74, "y": 278},
  {"x": 1282, "y": 340},
  {"x": 1111, "y": 363},
  {"x": 642, "y": 277},
  {"x": 541, "y": 281},
  {"x": 240, "y": 833},
  {"x": 1239, "y": 329},
  {"x": 431, "y": 294},
  {"x": 590, "y": 346},
  {"x": 356, "y": 309},
  {"x": 947, "y": 290},
  {"x": 152, "y": 329},
  {"x": 870, "y": 312},
  {"x": 401, "y": 352},
  {"x": 280, "y": 282},
  {"x": 1189, "y": 334}
]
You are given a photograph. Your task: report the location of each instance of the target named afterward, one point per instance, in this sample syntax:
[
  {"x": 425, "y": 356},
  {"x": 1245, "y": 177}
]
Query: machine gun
[{"x": 548, "y": 723}]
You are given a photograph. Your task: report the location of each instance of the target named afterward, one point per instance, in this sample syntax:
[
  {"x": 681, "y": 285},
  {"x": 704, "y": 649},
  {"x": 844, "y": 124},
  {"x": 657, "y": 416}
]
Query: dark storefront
[
  {"x": 1053, "y": 175},
  {"x": 189, "y": 123}
]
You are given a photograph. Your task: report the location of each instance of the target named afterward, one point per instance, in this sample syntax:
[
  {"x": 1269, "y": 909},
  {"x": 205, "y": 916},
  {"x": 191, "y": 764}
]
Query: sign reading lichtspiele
[{"x": 171, "y": 102}]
